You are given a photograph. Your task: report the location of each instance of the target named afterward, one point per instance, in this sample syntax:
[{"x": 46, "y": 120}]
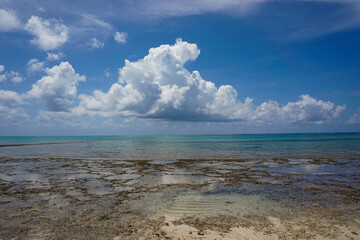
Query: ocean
[{"x": 184, "y": 147}]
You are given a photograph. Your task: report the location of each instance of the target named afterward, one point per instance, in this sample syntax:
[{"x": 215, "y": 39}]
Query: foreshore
[{"x": 276, "y": 198}]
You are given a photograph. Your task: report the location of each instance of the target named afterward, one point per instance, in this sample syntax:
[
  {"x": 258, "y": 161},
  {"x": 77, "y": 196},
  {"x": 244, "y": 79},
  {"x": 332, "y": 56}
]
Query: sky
[{"x": 145, "y": 67}]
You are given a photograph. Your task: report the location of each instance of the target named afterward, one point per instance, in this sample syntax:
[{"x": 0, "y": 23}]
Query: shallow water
[{"x": 103, "y": 182}]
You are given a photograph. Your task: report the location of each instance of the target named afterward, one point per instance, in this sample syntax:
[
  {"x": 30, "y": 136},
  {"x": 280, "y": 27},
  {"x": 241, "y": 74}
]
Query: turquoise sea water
[{"x": 185, "y": 147}]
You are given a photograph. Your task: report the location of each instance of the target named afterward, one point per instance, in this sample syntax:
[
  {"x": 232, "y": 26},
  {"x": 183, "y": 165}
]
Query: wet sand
[{"x": 276, "y": 198}]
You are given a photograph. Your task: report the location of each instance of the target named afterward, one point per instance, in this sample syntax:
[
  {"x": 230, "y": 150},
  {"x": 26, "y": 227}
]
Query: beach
[{"x": 181, "y": 187}]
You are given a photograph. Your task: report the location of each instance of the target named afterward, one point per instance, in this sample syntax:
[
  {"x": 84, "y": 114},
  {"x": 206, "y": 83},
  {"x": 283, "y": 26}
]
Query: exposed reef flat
[{"x": 269, "y": 198}]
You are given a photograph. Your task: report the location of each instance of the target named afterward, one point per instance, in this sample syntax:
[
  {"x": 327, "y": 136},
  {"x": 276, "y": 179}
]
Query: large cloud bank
[{"x": 158, "y": 86}]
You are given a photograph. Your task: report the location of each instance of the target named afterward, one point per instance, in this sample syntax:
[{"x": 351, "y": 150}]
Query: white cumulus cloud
[
  {"x": 306, "y": 110},
  {"x": 57, "y": 90},
  {"x": 15, "y": 77},
  {"x": 158, "y": 86},
  {"x": 51, "y": 56},
  {"x": 8, "y": 21},
  {"x": 9, "y": 112},
  {"x": 49, "y": 34},
  {"x": 10, "y": 98},
  {"x": 2, "y": 74},
  {"x": 12, "y": 116},
  {"x": 355, "y": 118},
  {"x": 34, "y": 65},
  {"x": 121, "y": 37}
]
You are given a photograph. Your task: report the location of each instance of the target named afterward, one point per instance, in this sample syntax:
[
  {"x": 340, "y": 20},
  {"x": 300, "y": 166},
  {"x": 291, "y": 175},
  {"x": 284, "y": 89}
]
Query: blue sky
[{"x": 179, "y": 67}]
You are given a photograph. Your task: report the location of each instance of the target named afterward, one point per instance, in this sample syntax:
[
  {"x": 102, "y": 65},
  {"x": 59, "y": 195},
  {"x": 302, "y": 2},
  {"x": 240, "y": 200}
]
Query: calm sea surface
[{"x": 185, "y": 147}]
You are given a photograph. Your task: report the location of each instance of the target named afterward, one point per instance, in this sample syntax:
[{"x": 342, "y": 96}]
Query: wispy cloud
[
  {"x": 120, "y": 37},
  {"x": 94, "y": 43},
  {"x": 93, "y": 21},
  {"x": 8, "y": 21},
  {"x": 338, "y": 15}
]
